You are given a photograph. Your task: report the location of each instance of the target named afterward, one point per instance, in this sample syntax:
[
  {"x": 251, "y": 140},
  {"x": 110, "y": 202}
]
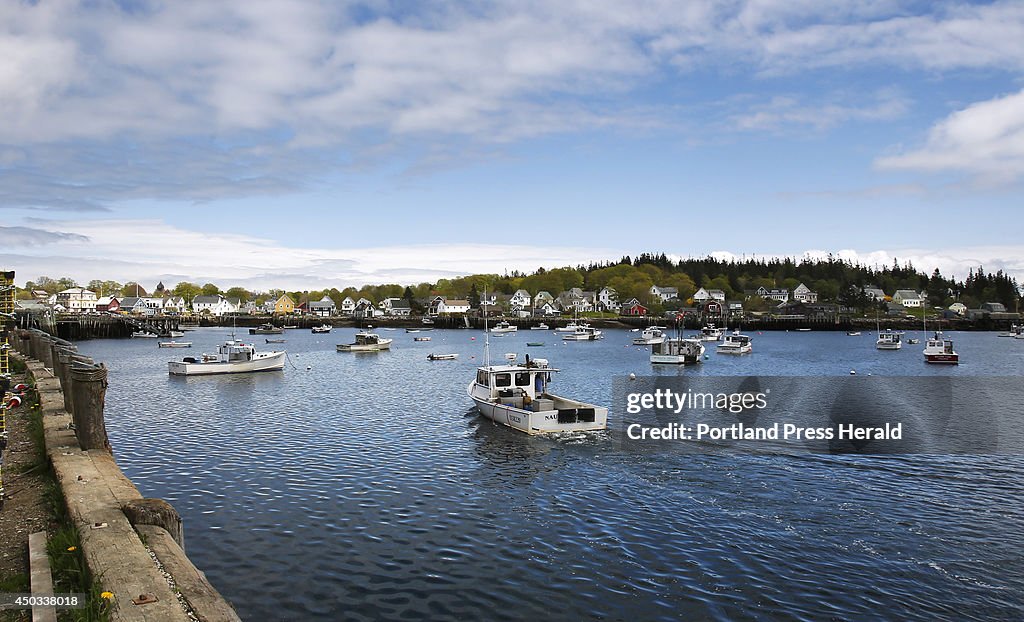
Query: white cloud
[
  {"x": 148, "y": 250},
  {"x": 984, "y": 139},
  {"x": 786, "y": 112}
]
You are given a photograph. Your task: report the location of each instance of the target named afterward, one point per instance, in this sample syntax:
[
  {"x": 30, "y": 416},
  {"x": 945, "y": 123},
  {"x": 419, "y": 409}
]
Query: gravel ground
[{"x": 24, "y": 511}]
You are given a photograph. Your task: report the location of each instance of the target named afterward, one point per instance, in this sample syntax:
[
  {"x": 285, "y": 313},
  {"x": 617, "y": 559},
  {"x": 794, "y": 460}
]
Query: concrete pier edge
[{"x": 100, "y": 499}]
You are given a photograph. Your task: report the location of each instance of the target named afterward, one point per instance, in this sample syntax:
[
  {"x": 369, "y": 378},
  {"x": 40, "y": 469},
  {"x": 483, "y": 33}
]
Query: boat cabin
[
  {"x": 227, "y": 352},
  {"x": 516, "y": 385},
  {"x": 367, "y": 339}
]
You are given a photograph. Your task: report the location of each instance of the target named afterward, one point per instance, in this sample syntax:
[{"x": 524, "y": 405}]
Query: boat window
[
  {"x": 502, "y": 380},
  {"x": 523, "y": 379},
  {"x": 481, "y": 377}
]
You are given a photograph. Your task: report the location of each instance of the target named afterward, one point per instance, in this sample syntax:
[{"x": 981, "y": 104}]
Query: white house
[
  {"x": 324, "y": 307},
  {"x": 958, "y": 307},
  {"x": 347, "y": 306},
  {"x": 701, "y": 296},
  {"x": 716, "y": 294},
  {"x": 802, "y": 293},
  {"x": 908, "y": 298},
  {"x": 780, "y": 295},
  {"x": 521, "y": 299},
  {"x": 216, "y": 305},
  {"x": 174, "y": 304},
  {"x": 400, "y": 307},
  {"x": 664, "y": 293},
  {"x": 874, "y": 293},
  {"x": 608, "y": 299},
  {"x": 443, "y": 306},
  {"x": 77, "y": 299}
]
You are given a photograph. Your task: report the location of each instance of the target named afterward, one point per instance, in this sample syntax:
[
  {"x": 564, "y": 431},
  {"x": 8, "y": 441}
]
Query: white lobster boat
[
  {"x": 650, "y": 336},
  {"x": 711, "y": 333},
  {"x": 366, "y": 342},
  {"x": 677, "y": 351},
  {"x": 174, "y": 344},
  {"x": 504, "y": 327},
  {"x": 735, "y": 343},
  {"x": 572, "y": 326},
  {"x": 583, "y": 333},
  {"x": 517, "y": 396},
  {"x": 232, "y": 357},
  {"x": 889, "y": 340},
  {"x": 940, "y": 350},
  {"x": 323, "y": 328}
]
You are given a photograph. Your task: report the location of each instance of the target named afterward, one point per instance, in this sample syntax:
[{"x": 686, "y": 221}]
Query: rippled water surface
[{"x": 362, "y": 486}]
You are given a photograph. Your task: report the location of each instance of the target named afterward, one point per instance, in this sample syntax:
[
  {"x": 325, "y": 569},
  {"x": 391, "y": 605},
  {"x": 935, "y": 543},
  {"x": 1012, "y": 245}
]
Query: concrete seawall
[{"x": 119, "y": 528}]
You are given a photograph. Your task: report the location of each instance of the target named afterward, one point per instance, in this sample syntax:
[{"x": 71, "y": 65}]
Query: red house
[
  {"x": 108, "y": 303},
  {"x": 633, "y": 307}
]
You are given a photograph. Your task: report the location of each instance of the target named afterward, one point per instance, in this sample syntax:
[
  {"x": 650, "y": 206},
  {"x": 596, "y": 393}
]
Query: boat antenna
[{"x": 487, "y": 340}]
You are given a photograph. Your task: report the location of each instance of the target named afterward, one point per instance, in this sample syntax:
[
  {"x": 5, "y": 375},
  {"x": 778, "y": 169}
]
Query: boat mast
[{"x": 487, "y": 339}]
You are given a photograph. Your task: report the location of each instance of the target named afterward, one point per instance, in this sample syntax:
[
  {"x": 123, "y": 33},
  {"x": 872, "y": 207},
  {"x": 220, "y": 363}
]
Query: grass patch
[{"x": 71, "y": 575}]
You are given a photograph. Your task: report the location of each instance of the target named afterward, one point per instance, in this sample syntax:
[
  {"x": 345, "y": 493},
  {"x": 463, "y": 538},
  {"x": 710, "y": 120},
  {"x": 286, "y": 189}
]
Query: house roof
[
  {"x": 456, "y": 303},
  {"x": 203, "y": 300},
  {"x": 907, "y": 294},
  {"x": 400, "y": 303}
]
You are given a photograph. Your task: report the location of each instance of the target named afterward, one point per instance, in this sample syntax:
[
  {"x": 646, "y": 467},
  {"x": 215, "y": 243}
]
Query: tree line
[{"x": 835, "y": 280}]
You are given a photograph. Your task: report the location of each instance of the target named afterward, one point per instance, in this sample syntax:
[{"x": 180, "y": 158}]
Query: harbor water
[{"x": 364, "y": 487}]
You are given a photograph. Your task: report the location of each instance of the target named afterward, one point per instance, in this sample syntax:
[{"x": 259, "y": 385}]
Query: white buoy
[
  {"x": 632, "y": 376},
  {"x": 309, "y": 367},
  {"x": 853, "y": 372}
]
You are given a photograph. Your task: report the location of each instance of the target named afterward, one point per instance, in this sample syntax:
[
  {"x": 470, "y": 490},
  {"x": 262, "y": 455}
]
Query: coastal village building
[
  {"x": 324, "y": 307},
  {"x": 701, "y": 295},
  {"x": 802, "y": 293},
  {"x": 348, "y": 306},
  {"x": 454, "y": 306},
  {"x": 108, "y": 304},
  {"x": 908, "y": 298},
  {"x": 216, "y": 305},
  {"x": 284, "y": 305},
  {"x": 874, "y": 293},
  {"x": 77, "y": 299},
  {"x": 717, "y": 294},
  {"x": 521, "y": 299},
  {"x": 366, "y": 310},
  {"x": 608, "y": 299},
  {"x": 633, "y": 307},
  {"x": 400, "y": 307},
  {"x": 133, "y": 305},
  {"x": 664, "y": 293},
  {"x": 545, "y": 308},
  {"x": 959, "y": 308},
  {"x": 778, "y": 295}
]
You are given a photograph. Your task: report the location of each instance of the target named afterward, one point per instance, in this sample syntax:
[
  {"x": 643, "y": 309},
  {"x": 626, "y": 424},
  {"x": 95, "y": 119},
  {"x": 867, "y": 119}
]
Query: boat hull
[
  {"x": 648, "y": 342},
  {"x": 269, "y": 361},
  {"x": 889, "y": 346},
  {"x": 675, "y": 359},
  {"x": 572, "y": 417},
  {"x": 943, "y": 359},
  {"x": 385, "y": 344},
  {"x": 723, "y": 349}
]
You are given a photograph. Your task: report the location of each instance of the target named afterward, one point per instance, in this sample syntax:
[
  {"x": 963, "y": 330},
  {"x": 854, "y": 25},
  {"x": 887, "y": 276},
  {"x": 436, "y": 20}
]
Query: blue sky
[{"x": 310, "y": 144}]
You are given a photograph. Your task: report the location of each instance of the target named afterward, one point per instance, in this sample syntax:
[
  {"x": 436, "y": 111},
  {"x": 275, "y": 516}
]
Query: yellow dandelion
[
  {"x": 107, "y": 595},
  {"x": 72, "y": 548}
]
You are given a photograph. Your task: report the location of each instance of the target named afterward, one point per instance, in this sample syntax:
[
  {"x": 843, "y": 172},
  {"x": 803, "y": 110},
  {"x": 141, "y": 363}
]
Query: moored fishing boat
[
  {"x": 504, "y": 327},
  {"x": 889, "y": 340},
  {"x": 366, "y": 341},
  {"x": 572, "y": 326},
  {"x": 541, "y": 326},
  {"x": 583, "y": 333},
  {"x": 174, "y": 344},
  {"x": 141, "y": 334},
  {"x": 323, "y": 328},
  {"x": 940, "y": 350},
  {"x": 266, "y": 329},
  {"x": 711, "y": 333},
  {"x": 650, "y": 336},
  {"x": 735, "y": 343},
  {"x": 677, "y": 351},
  {"x": 232, "y": 357}
]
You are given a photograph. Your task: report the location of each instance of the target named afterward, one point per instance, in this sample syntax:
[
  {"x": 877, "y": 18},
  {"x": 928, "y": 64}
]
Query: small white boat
[
  {"x": 572, "y": 326},
  {"x": 232, "y": 357},
  {"x": 583, "y": 334},
  {"x": 323, "y": 328},
  {"x": 803, "y": 330},
  {"x": 711, "y": 333},
  {"x": 677, "y": 351},
  {"x": 853, "y": 333},
  {"x": 889, "y": 340},
  {"x": 650, "y": 336},
  {"x": 171, "y": 334},
  {"x": 940, "y": 350},
  {"x": 421, "y": 338},
  {"x": 517, "y": 396},
  {"x": 427, "y": 321},
  {"x": 141, "y": 334},
  {"x": 541, "y": 326},
  {"x": 289, "y": 326},
  {"x": 735, "y": 343},
  {"x": 913, "y": 341},
  {"x": 275, "y": 340},
  {"x": 412, "y": 330},
  {"x": 174, "y": 344},
  {"x": 504, "y": 327},
  {"x": 366, "y": 342},
  {"x": 442, "y": 357}
]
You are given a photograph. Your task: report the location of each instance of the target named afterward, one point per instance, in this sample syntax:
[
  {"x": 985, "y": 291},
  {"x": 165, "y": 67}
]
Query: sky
[{"x": 306, "y": 145}]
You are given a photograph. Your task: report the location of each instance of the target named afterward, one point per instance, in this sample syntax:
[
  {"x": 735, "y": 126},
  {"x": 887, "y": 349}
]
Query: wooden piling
[{"x": 89, "y": 387}]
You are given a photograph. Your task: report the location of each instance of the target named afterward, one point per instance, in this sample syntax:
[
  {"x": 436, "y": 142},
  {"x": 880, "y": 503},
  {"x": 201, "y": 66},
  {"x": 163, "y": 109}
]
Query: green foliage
[{"x": 209, "y": 289}]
